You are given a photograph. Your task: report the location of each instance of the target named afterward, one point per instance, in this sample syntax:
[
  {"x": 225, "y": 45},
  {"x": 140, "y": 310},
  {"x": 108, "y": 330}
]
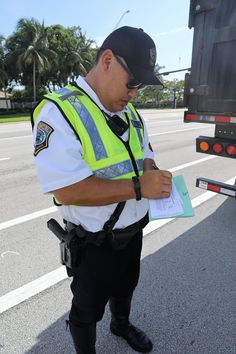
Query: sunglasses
[{"x": 131, "y": 84}]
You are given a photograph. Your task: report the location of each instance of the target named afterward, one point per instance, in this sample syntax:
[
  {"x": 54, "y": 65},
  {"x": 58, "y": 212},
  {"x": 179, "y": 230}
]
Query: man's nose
[{"x": 132, "y": 92}]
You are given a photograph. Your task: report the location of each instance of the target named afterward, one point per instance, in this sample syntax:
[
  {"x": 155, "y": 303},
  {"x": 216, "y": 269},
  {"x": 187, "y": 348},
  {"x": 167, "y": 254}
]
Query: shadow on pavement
[{"x": 185, "y": 299}]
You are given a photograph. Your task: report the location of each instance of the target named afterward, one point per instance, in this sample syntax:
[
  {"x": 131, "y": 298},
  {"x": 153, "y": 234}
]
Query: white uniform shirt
[{"x": 61, "y": 164}]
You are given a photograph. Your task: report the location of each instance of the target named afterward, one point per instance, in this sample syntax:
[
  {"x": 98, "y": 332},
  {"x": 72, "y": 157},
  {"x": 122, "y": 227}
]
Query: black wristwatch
[{"x": 137, "y": 187}]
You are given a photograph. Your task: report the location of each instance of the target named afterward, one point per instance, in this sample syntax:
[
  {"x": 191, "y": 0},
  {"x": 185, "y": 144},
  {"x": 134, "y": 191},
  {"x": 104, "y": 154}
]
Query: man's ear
[{"x": 106, "y": 59}]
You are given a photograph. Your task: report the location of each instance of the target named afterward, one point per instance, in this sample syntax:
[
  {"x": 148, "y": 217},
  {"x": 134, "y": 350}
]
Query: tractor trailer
[{"x": 210, "y": 86}]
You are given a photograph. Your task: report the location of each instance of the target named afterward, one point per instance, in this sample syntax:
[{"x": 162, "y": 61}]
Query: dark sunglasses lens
[{"x": 134, "y": 85}]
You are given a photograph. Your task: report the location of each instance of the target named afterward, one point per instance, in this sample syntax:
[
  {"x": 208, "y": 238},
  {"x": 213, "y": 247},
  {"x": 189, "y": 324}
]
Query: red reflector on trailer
[
  {"x": 216, "y": 186},
  {"x": 217, "y": 148},
  {"x": 222, "y": 119},
  {"x": 204, "y": 118},
  {"x": 191, "y": 116},
  {"x": 231, "y": 150},
  {"x": 213, "y": 188}
]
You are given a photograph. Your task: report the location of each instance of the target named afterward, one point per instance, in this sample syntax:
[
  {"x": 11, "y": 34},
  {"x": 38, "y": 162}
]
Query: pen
[{"x": 155, "y": 167}]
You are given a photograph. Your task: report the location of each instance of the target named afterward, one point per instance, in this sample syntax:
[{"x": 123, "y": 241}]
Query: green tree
[
  {"x": 174, "y": 90},
  {"x": 151, "y": 94},
  {"x": 75, "y": 52},
  {"x": 3, "y": 72},
  {"x": 29, "y": 49}
]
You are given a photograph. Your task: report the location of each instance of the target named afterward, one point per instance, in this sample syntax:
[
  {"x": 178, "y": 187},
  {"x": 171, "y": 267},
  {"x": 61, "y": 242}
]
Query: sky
[{"x": 166, "y": 21}]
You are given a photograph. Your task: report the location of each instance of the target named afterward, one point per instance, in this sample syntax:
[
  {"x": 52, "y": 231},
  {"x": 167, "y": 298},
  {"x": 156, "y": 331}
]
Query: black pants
[{"x": 103, "y": 273}]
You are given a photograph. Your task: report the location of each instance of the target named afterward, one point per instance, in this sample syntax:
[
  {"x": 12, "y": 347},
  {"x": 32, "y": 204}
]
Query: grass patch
[{"x": 15, "y": 118}]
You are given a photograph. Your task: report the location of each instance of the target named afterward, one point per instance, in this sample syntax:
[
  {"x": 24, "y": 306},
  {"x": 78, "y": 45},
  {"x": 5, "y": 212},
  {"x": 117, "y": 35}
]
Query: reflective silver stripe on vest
[
  {"x": 118, "y": 169},
  {"x": 62, "y": 90},
  {"x": 137, "y": 129},
  {"x": 87, "y": 120},
  {"x": 140, "y": 164}
]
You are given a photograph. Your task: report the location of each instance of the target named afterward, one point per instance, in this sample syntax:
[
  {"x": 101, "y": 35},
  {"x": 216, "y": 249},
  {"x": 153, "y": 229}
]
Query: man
[{"x": 93, "y": 154}]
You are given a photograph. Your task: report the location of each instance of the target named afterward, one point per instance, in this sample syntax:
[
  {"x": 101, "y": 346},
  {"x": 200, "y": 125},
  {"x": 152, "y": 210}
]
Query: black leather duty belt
[{"x": 117, "y": 238}]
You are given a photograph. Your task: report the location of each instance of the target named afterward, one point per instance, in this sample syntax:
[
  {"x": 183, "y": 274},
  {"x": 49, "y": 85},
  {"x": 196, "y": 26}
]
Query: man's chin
[{"x": 123, "y": 105}]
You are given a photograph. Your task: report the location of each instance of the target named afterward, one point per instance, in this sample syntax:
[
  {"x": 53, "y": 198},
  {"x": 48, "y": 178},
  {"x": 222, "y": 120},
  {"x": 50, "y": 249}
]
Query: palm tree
[
  {"x": 80, "y": 59},
  {"x": 3, "y": 80},
  {"x": 31, "y": 49},
  {"x": 3, "y": 72},
  {"x": 78, "y": 54}
]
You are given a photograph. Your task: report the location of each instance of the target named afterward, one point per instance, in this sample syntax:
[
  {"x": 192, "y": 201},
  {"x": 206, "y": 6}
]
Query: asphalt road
[{"x": 186, "y": 296}]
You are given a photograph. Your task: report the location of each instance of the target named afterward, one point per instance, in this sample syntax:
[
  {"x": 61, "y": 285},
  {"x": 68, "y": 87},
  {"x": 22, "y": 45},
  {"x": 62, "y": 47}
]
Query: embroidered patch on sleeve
[
  {"x": 136, "y": 124},
  {"x": 42, "y": 137}
]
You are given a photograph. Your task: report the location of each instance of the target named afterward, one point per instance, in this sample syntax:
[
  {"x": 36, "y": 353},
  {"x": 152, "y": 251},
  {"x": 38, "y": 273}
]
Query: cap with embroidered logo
[{"x": 137, "y": 49}]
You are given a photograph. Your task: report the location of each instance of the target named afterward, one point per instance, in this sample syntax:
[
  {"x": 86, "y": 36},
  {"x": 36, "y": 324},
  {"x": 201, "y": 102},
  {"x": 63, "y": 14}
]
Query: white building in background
[{"x": 5, "y": 101}]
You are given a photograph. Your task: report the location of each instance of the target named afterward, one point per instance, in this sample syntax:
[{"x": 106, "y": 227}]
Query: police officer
[{"x": 93, "y": 155}]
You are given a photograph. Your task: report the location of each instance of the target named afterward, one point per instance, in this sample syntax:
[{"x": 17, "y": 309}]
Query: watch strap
[{"x": 137, "y": 187}]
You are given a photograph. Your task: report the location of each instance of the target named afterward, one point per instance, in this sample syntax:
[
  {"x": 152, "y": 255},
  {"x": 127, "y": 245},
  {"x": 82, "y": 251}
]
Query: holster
[{"x": 69, "y": 244}]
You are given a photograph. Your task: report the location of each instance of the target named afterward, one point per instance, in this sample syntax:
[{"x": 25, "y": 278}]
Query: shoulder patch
[
  {"x": 136, "y": 124},
  {"x": 43, "y": 133}
]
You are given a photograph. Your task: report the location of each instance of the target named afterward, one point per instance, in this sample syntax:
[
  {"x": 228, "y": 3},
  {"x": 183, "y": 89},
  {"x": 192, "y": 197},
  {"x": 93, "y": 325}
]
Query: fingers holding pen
[{"x": 156, "y": 184}]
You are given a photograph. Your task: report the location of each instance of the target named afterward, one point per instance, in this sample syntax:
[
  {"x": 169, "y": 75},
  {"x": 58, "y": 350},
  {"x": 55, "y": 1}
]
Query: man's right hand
[{"x": 156, "y": 184}]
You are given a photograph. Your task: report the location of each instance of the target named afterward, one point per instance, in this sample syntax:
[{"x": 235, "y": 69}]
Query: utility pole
[{"x": 126, "y": 12}]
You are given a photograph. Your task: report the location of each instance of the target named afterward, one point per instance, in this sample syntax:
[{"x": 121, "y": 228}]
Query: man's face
[{"x": 118, "y": 89}]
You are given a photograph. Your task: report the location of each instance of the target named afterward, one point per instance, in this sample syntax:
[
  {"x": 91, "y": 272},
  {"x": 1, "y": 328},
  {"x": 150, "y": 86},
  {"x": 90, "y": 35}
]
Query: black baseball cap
[{"x": 137, "y": 49}]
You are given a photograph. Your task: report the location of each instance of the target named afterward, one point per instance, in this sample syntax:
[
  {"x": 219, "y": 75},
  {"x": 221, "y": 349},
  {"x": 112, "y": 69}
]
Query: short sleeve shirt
[{"x": 61, "y": 164}]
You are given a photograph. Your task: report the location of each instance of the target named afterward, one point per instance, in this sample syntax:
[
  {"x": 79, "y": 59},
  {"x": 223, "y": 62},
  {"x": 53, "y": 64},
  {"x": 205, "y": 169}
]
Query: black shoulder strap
[{"x": 109, "y": 224}]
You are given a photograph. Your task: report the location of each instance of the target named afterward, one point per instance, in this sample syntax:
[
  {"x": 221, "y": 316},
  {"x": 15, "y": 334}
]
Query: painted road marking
[
  {"x": 9, "y": 252},
  {"x": 188, "y": 164},
  {"x": 16, "y": 137},
  {"x": 24, "y": 218},
  {"x": 156, "y": 121},
  {"x": 5, "y": 158},
  {"x": 176, "y": 131},
  {"x": 169, "y": 132},
  {"x": 26, "y": 291}
]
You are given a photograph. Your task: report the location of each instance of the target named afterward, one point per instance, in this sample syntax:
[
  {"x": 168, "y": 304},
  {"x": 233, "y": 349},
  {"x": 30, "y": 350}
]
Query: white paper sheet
[{"x": 166, "y": 207}]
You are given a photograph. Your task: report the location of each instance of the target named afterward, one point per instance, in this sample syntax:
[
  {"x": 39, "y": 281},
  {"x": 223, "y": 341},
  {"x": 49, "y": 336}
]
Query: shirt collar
[{"x": 81, "y": 82}]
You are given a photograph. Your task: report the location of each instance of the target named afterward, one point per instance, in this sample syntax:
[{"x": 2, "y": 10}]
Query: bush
[{"x": 13, "y": 111}]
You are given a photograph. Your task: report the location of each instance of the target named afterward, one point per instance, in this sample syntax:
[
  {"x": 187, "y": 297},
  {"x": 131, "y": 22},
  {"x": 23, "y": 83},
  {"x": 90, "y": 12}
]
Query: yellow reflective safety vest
[{"x": 105, "y": 153}]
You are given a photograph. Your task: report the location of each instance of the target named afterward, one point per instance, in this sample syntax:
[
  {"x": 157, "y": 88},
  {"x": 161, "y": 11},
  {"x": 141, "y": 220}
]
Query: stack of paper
[{"x": 177, "y": 205}]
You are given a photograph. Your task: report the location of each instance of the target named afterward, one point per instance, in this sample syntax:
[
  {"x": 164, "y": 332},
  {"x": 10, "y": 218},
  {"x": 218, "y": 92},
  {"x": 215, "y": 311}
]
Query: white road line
[
  {"x": 156, "y": 121},
  {"x": 37, "y": 214},
  {"x": 24, "y": 218},
  {"x": 188, "y": 164},
  {"x": 16, "y": 137},
  {"x": 177, "y": 131},
  {"x": 26, "y": 291},
  {"x": 5, "y": 158},
  {"x": 173, "y": 131}
]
